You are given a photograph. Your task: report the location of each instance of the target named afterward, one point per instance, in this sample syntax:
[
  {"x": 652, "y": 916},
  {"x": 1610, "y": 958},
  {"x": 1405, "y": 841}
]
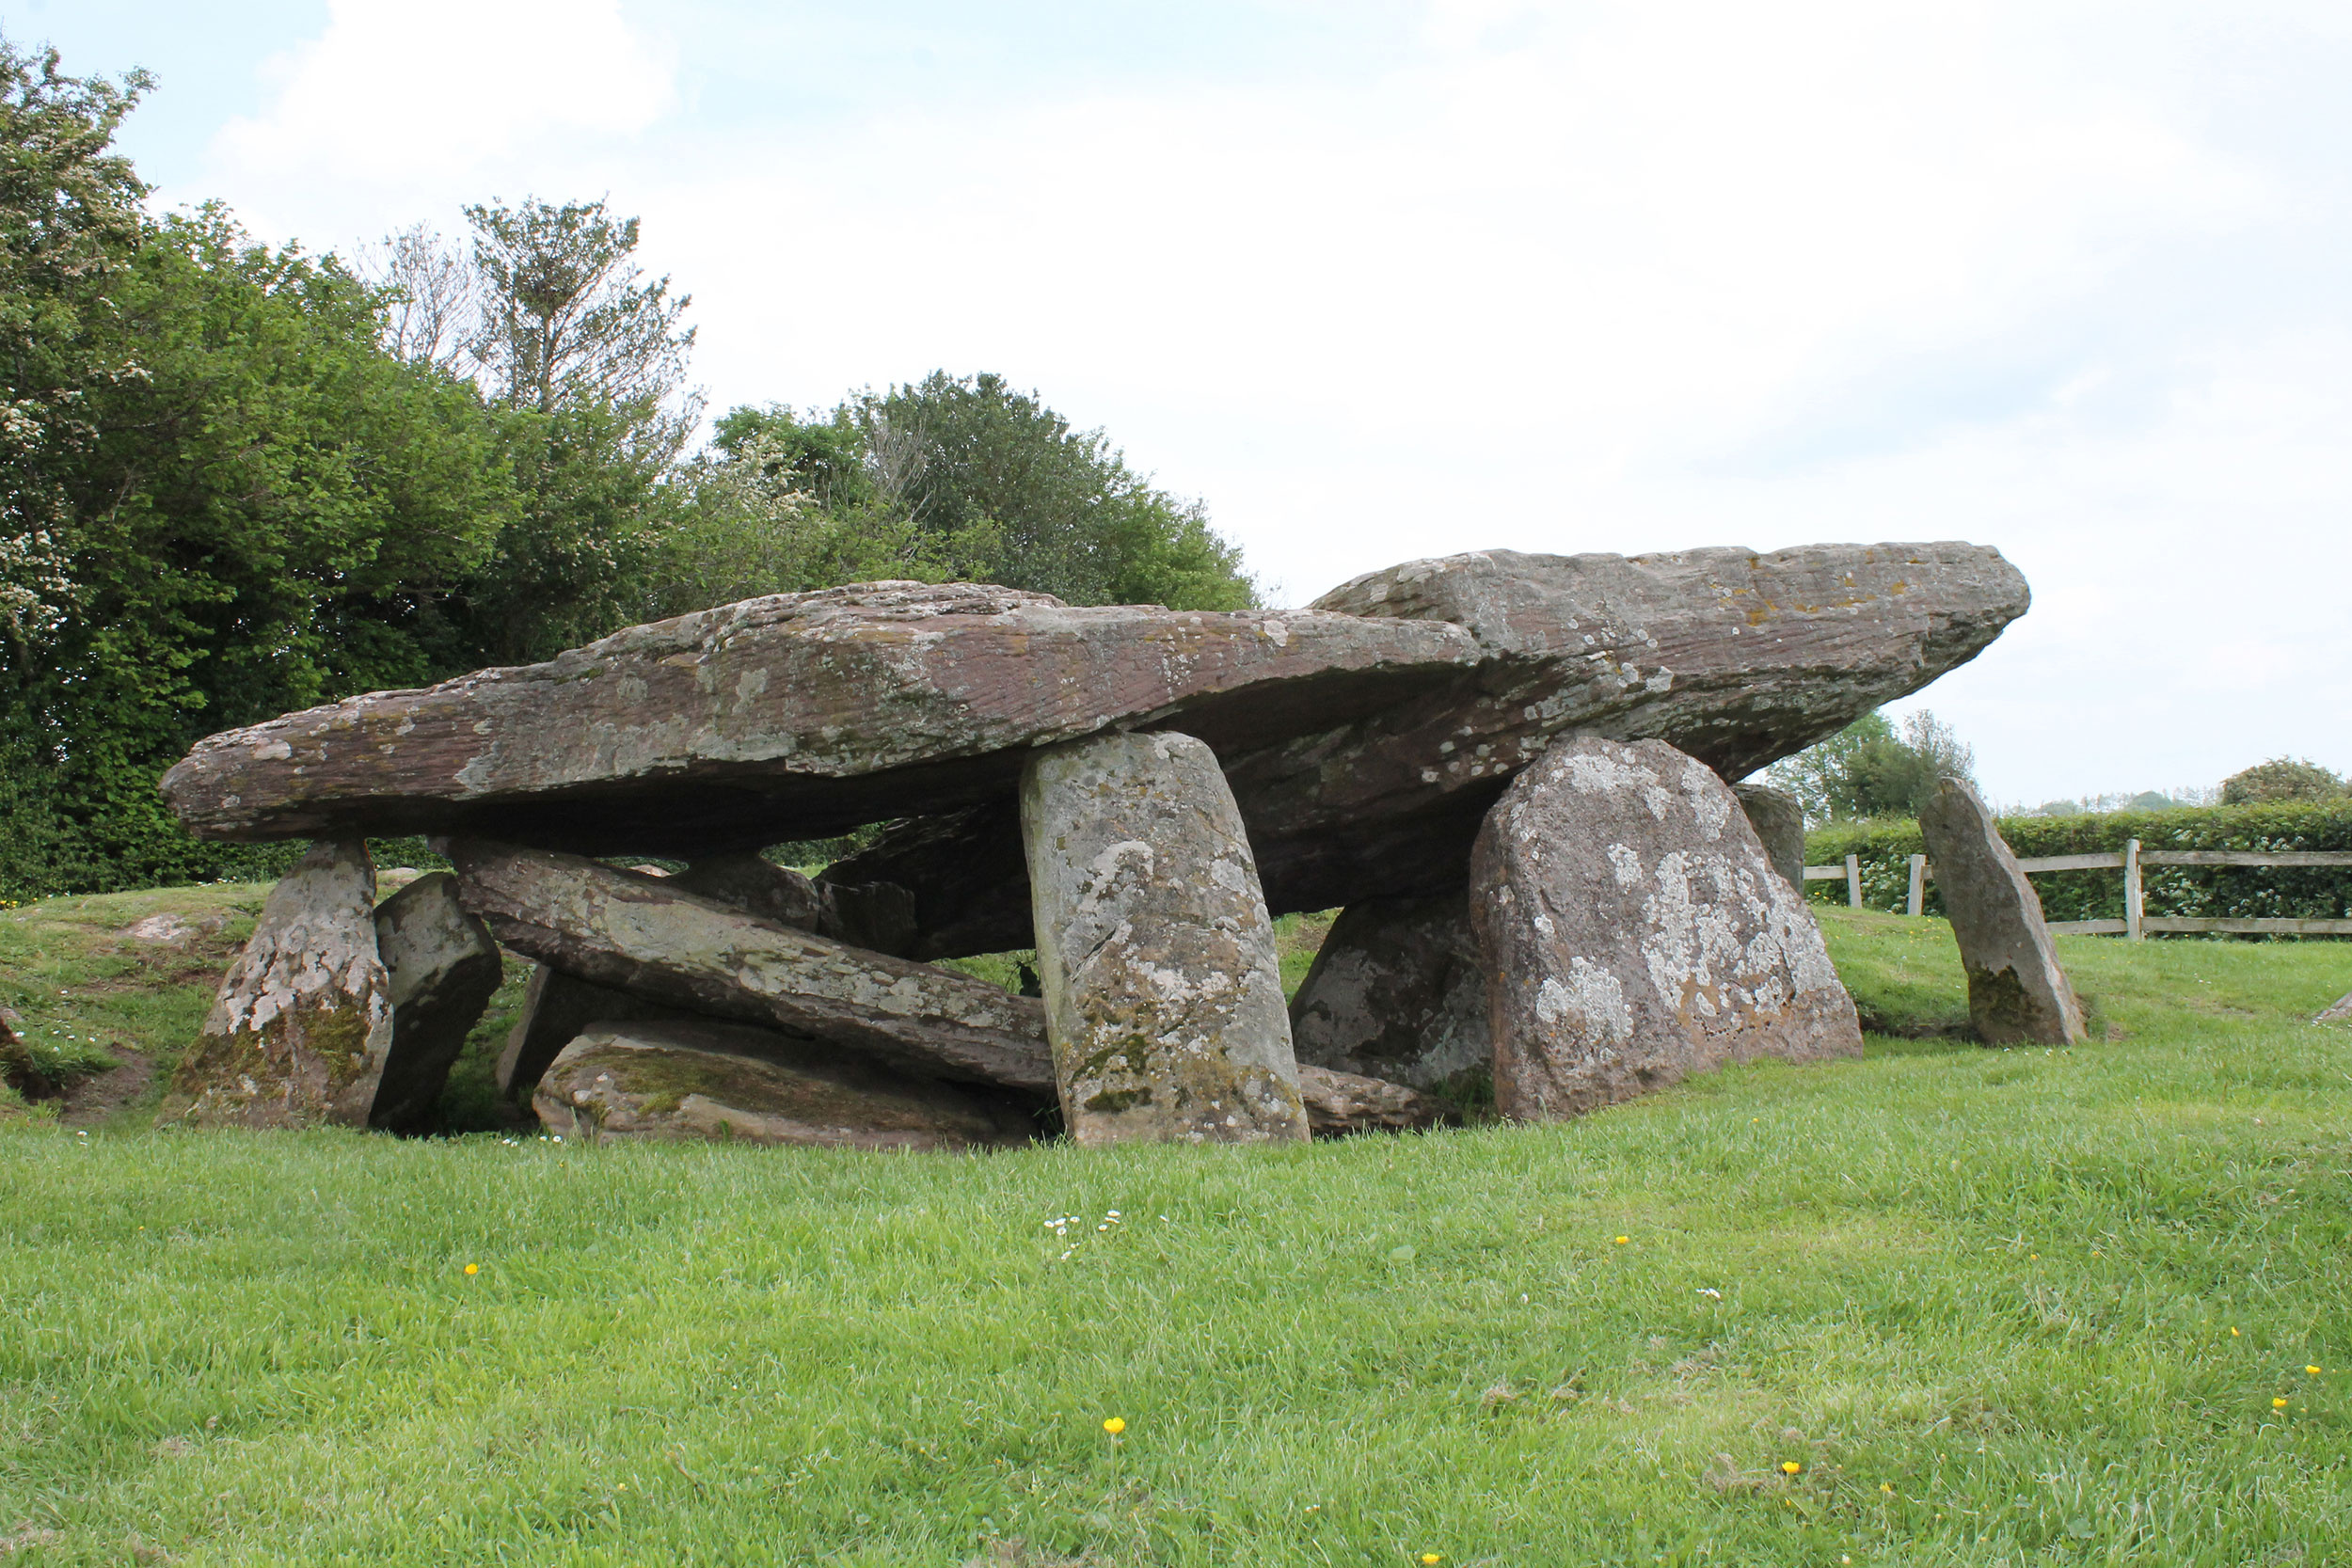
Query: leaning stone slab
[
  {"x": 701, "y": 1079},
  {"x": 440, "y": 968},
  {"x": 1163, "y": 992},
  {"x": 299, "y": 1031},
  {"x": 1635, "y": 933},
  {"x": 1736, "y": 657},
  {"x": 1398, "y": 992},
  {"x": 682, "y": 950},
  {"x": 755, "y": 885},
  {"x": 2016, "y": 990},
  {"x": 795, "y": 716},
  {"x": 1339, "y": 1103},
  {"x": 1778, "y": 819}
]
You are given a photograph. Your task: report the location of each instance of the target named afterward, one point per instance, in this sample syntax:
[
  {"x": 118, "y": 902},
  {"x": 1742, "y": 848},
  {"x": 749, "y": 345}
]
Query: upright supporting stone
[
  {"x": 301, "y": 1026},
  {"x": 1778, "y": 819},
  {"x": 2016, "y": 990},
  {"x": 1163, "y": 994},
  {"x": 1398, "y": 992},
  {"x": 1634, "y": 933},
  {"x": 441, "y": 966}
]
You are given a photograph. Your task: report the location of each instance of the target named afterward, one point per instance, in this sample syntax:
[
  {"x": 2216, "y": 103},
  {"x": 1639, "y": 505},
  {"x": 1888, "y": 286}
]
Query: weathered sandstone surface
[
  {"x": 2016, "y": 990},
  {"x": 1162, "y": 991},
  {"x": 440, "y": 969},
  {"x": 1398, "y": 992},
  {"x": 1778, "y": 819},
  {"x": 298, "y": 1032},
  {"x": 1635, "y": 933},
  {"x": 702, "y": 1079}
]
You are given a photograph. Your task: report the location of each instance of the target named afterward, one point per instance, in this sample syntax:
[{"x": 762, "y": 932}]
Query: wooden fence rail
[{"x": 2136, "y": 922}]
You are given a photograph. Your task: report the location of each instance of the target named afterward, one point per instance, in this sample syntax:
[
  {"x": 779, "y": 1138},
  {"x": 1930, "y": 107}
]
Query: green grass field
[{"x": 1945, "y": 1304}]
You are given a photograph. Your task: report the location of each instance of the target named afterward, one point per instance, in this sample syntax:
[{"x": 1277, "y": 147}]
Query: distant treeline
[{"x": 240, "y": 480}]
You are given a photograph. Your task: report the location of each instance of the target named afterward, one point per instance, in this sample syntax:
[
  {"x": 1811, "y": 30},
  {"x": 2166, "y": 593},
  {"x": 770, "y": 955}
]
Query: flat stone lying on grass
[
  {"x": 2017, "y": 992},
  {"x": 1398, "y": 992},
  {"x": 300, "y": 1028},
  {"x": 440, "y": 967},
  {"x": 2340, "y": 1012},
  {"x": 1635, "y": 933},
  {"x": 1163, "y": 991},
  {"x": 702, "y": 1079},
  {"x": 682, "y": 950},
  {"x": 1778, "y": 818},
  {"x": 1339, "y": 1103}
]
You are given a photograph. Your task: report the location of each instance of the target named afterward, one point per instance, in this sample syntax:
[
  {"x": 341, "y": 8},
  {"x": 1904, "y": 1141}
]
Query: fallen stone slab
[
  {"x": 2017, "y": 992},
  {"x": 700, "y": 1079},
  {"x": 1635, "y": 933},
  {"x": 1163, "y": 992},
  {"x": 1398, "y": 992},
  {"x": 1342, "y": 1103},
  {"x": 1735, "y": 658},
  {"x": 683, "y": 950},
  {"x": 440, "y": 969},
  {"x": 2339, "y": 1011},
  {"x": 303, "y": 1021},
  {"x": 791, "y": 716},
  {"x": 1778, "y": 818}
]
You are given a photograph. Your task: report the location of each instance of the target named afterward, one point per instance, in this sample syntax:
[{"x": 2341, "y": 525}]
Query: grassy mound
[{"x": 1945, "y": 1304}]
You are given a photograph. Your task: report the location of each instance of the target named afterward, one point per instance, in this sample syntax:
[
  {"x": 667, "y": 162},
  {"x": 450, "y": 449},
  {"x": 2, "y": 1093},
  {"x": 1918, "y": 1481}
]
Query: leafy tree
[
  {"x": 1868, "y": 770},
  {"x": 1071, "y": 519},
  {"x": 2280, "y": 779}
]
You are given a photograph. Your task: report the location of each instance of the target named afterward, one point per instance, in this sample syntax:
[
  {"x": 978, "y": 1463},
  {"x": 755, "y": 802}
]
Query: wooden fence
[{"x": 2136, "y": 922}]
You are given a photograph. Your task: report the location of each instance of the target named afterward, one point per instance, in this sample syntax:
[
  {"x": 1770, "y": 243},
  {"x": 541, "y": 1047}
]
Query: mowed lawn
[{"x": 1945, "y": 1305}]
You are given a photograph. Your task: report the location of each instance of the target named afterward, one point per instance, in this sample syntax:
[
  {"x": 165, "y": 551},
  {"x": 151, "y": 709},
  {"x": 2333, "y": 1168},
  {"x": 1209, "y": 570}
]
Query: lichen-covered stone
[
  {"x": 440, "y": 969},
  {"x": 1339, "y": 1103},
  {"x": 682, "y": 950},
  {"x": 701, "y": 1079},
  {"x": 2017, "y": 992},
  {"x": 556, "y": 1007},
  {"x": 794, "y": 716},
  {"x": 1398, "y": 992},
  {"x": 299, "y": 1030},
  {"x": 1634, "y": 933},
  {"x": 755, "y": 885},
  {"x": 1736, "y": 657},
  {"x": 1162, "y": 991},
  {"x": 1778, "y": 818}
]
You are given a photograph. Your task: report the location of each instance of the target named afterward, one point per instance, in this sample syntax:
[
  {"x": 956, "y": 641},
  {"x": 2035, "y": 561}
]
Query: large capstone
[
  {"x": 641, "y": 935},
  {"x": 300, "y": 1028},
  {"x": 797, "y": 716},
  {"x": 441, "y": 968},
  {"x": 1398, "y": 992},
  {"x": 1163, "y": 991},
  {"x": 1736, "y": 657},
  {"x": 1778, "y": 818},
  {"x": 701, "y": 1079},
  {"x": 2017, "y": 993},
  {"x": 1634, "y": 932}
]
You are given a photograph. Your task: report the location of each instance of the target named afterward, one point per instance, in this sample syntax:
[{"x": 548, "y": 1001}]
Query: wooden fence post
[
  {"x": 1854, "y": 881},
  {"x": 1918, "y": 904},
  {"x": 2134, "y": 905}
]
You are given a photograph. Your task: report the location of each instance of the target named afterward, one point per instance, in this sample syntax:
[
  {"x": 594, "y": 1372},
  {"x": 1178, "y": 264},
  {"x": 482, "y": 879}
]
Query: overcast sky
[{"x": 1384, "y": 280}]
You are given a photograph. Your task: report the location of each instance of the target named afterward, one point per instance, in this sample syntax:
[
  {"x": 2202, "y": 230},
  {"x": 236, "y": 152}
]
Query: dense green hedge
[{"x": 2242, "y": 892}]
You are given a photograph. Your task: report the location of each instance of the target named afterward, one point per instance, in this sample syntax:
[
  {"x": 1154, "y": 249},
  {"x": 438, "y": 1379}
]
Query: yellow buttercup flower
[
  {"x": 1622, "y": 1240},
  {"x": 2278, "y": 1404},
  {"x": 2311, "y": 1372},
  {"x": 473, "y": 1268},
  {"x": 1430, "y": 1559},
  {"x": 1114, "y": 1426},
  {"x": 1790, "y": 1466}
]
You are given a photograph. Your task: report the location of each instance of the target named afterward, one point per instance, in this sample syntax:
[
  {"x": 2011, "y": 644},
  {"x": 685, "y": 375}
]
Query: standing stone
[
  {"x": 1398, "y": 992},
  {"x": 1634, "y": 932},
  {"x": 1163, "y": 994},
  {"x": 702, "y": 1079},
  {"x": 299, "y": 1031},
  {"x": 1779, "y": 823},
  {"x": 2017, "y": 992},
  {"x": 441, "y": 968}
]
